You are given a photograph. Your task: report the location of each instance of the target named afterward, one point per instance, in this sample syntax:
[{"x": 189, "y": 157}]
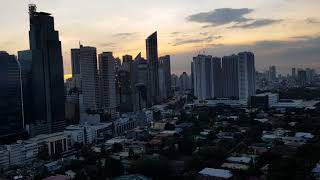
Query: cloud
[
  {"x": 111, "y": 44},
  {"x": 285, "y": 54},
  {"x": 225, "y": 16},
  {"x": 313, "y": 21},
  {"x": 126, "y": 35},
  {"x": 257, "y": 23},
  {"x": 221, "y": 16},
  {"x": 175, "y": 33},
  {"x": 208, "y": 39}
]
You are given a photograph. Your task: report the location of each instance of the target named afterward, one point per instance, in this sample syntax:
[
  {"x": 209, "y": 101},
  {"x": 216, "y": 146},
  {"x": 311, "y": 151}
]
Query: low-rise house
[
  {"x": 235, "y": 166},
  {"x": 316, "y": 171},
  {"x": 214, "y": 174},
  {"x": 132, "y": 177}
]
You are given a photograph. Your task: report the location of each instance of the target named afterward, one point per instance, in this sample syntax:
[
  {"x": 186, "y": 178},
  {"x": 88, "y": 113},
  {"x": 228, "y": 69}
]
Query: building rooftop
[{"x": 220, "y": 173}]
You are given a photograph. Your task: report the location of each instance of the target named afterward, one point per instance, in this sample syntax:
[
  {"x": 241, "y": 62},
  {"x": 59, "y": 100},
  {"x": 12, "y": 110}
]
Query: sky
[{"x": 285, "y": 33}]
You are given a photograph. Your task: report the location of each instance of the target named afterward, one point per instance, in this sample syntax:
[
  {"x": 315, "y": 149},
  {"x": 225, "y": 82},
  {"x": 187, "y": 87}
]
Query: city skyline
[{"x": 182, "y": 31}]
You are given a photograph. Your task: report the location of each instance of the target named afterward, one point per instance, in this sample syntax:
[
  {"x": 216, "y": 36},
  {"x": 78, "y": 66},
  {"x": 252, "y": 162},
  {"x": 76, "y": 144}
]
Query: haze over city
[{"x": 284, "y": 33}]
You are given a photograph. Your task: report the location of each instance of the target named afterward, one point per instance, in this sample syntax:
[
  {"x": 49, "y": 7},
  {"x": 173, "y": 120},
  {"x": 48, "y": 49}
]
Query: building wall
[{"x": 89, "y": 77}]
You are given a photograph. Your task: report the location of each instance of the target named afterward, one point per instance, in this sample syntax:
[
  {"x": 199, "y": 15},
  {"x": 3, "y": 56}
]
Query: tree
[
  {"x": 113, "y": 168},
  {"x": 169, "y": 126},
  {"x": 117, "y": 147},
  {"x": 155, "y": 168}
]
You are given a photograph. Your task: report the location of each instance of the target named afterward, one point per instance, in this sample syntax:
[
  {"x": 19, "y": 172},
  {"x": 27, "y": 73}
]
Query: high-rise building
[
  {"x": 294, "y": 73},
  {"x": 230, "y": 69},
  {"x": 310, "y": 75},
  {"x": 25, "y": 59},
  {"x": 75, "y": 61},
  {"x": 164, "y": 77},
  {"x": 127, "y": 62},
  {"x": 302, "y": 77},
  {"x": 185, "y": 82},
  {"x": 247, "y": 76},
  {"x": 11, "y": 107},
  {"x": 107, "y": 75},
  {"x": 124, "y": 91},
  {"x": 272, "y": 73},
  {"x": 233, "y": 77},
  {"x": 47, "y": 74},
  {"x": 89, "y": 79},
  {"x": 175, "y": 84},
  {"x": 139, "y": 82},
  {"x": 152, "y": 58},
  {"x": 202, "y": 77}
]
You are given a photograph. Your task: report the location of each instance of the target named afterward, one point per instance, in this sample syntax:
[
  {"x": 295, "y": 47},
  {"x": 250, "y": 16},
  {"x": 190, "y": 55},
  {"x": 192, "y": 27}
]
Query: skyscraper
[
  {"x": 272, "y": 73},
  {"x": 294, "y": 73},
  {"x": 107, "y": 75},
  {"x": 89, "y": 79},
  {"x": 202, "y": 77},
  {"x": 302, "y": 77},
  {"x": 233, "y": 77},
  {"x": 152, "y": 58},
  {"x": 230, "y": 69},
  {"x": 25, "y": 59},
  {"x": 126, "y": 62},
  {"x": 11, "y": 107},
  {"x": 75, "y": 62},
  {"x": 247, "y": 76},
  {"x": 165, "y": 76},
  {"x": 184, "y": 82},
  {"x": 47, "y": 74},
  {"x": 139, "y": 82}
]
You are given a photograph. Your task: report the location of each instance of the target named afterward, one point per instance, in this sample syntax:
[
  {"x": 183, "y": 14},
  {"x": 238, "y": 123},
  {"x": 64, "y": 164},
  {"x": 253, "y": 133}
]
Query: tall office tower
[
  {"x": 75, "y": 61},
  {"x": 164, "y": 63},
  {"x": 247, "y": 76},
  {"x": 124, "y": 91},
  {"x": 25, "y": 59},
  {"x": 216, "y": 75},
  {"x": 302, "y": 77},
  {"x": 294, "y": 73},
  {"x": 310, "y": 74},
  {"x": 203, "y": 77},
  {"x": 117, "y": 64},
  {"x": 152, "y": 58},
  {"x": 75, "y": 67},
  {"x": 175, "y": 84},
  {"x": 185, "y": 83},
  {"x": 89, "y": 79},
  {"x": 230, "y": 69},
  {"x": 47, "y": 74},
  {"x": 11, "y": 108},
  {"x": 139, "y": 82},
  {"x": 107, "y": 75},
  {"x": 127, "y": 62},
  {"x": 162, "y": 84},
  {"x": 272, "y": 73}
]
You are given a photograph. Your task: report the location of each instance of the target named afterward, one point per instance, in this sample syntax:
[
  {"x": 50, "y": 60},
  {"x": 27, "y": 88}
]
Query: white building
[
  {"x": 216, "y": 173},
  {"x": 77, "y": 134},
  {"x": 123, "y": 124},
  {"x": 97, "y": 132}
]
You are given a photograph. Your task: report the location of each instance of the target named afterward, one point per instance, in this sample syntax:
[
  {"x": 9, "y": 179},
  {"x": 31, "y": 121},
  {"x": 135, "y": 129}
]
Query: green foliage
[{"x": 155, "y": 168}]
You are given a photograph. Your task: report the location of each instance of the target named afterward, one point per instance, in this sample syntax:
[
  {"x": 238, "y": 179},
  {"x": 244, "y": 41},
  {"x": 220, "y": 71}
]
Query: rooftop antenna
[{"x": 32, "y": 9}]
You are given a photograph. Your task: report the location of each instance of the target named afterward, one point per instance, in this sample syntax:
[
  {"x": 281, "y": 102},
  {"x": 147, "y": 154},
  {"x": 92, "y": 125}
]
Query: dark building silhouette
[
  {"x": 11, "y": 109},
  {"x": 164, "y": 77},
  {"x": 152, "y": 58},
  {"x": 139, "y": 81},
  {"x": 75, "y": 62},
  {"x": 48, "y": 108}
]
